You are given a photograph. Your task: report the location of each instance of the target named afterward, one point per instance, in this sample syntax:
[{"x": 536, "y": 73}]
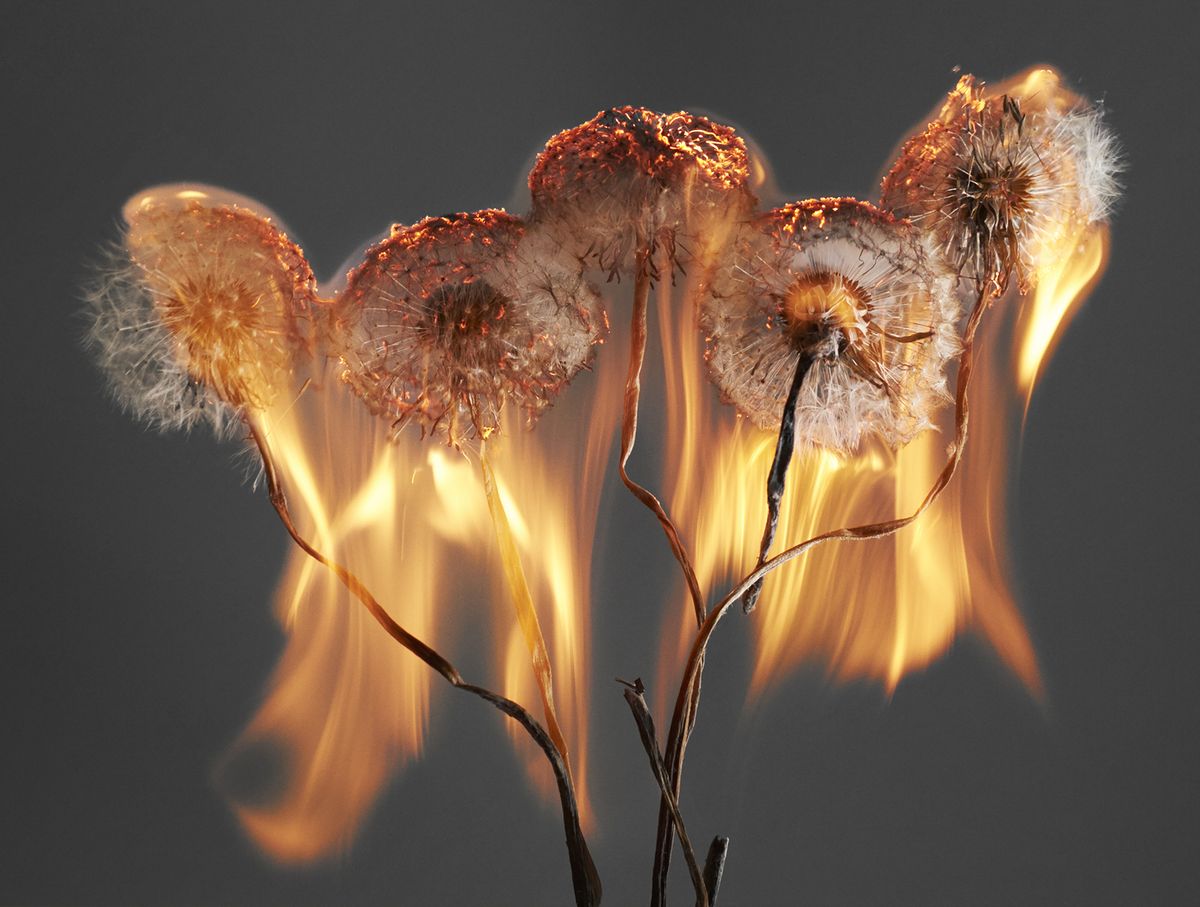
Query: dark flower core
[
  {"x": 459, "y": 320},
  {"x": 827, "y": 316},
  {"x": 823, "y": 309},
  {"x": 990, "y": 197}
]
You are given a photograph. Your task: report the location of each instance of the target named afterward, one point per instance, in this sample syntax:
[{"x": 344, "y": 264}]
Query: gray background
[{"x": 136, "y": 635}]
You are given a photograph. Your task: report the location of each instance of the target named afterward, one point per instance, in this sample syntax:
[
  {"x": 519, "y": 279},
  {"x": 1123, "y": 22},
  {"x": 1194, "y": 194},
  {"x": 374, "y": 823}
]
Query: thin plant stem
[
  {"x": 585, "y": 879},
  {"x": 637, "y": 355},
  {"x": 522, "y": 599},
  {"x": 785, "y": 444},
  {"x": 635, "y": 696},
  {"x": 683, "y": 716},
  {"x": 633, "y": 391}
]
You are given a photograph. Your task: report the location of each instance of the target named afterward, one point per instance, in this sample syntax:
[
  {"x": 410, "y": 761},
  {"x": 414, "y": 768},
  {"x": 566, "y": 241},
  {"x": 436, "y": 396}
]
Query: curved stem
[
  {"x": 585, "y": 879},
  {"x": 637, "y": 355},
  {"x": 633, "y": 391},
  {"x": 683, "y": 717}
]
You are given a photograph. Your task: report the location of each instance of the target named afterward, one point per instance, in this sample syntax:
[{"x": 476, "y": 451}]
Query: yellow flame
[
  {"x": 878, "y": 609},
  {"x": 346, "y": 704},
  {"x": 552, "y": 514},
  {"x": 1063, "y": 282}
]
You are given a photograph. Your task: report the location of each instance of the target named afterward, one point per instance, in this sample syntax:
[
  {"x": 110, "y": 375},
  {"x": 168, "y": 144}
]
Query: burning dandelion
[
  {"x": 450, "y": 320},
  {"x": 828, "y": 309},
  {"x": 998, "y": 178},
  {"x": 827, "y": 322},
  {"x": 630, "y": 187},
  {"x": 830, "y": 323},
  {"x": 203, "y": 309}
]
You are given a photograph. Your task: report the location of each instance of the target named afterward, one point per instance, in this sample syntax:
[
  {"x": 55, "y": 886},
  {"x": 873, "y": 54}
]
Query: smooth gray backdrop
[{"x": 135, "y": 635}]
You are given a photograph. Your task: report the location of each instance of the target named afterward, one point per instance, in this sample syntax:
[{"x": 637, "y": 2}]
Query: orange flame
[
  {"x": 347, "y": 706},
  {"x": 879, "y": 609},
  {"x": 1078, "y": 262}
]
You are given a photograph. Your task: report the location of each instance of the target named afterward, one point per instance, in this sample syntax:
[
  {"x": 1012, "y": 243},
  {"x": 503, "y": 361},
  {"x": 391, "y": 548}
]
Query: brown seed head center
[
  {"x": 462, "y": 320},
  {"x": 823, "y": 308},
  {"x": 993, "y": 197},
  {"x": 227, "y": 335}
]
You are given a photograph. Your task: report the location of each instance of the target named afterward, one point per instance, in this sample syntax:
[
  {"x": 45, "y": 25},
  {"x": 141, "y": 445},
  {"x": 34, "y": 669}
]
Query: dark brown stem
[
  {"x": 635, "y": 696},
  {"x": 683, "y": 717},
  {"x": 714, "y": 867},
  {"x": 785, "y": 444},
  {"x": 585, "y": 879},
  {"x": 633, "y": 391}
]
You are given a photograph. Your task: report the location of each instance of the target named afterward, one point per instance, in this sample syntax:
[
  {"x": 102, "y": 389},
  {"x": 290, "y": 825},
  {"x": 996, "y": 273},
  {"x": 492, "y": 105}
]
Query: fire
[
  {"x": 881, "y": 609},
  {"x": 346, "y": 707},
  {"x": 1077, "y": 263}
]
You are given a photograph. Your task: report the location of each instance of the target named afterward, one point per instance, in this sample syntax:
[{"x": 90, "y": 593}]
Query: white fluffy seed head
[
  {"x": 631, "y": 180},
  {"x": 197, "y": 314},
  {"x": 138, "y": 355},
  {"x": 452, "y": 320},
  {"x": 851, "y": 288},
  {"x": 1000, "y": 179}
]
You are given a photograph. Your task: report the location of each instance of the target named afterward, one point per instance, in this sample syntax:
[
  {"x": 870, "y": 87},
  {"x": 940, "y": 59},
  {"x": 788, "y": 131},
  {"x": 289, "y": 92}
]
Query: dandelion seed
[
  {"x": 196, "y": 316},
  {"x": 450, "y": 320},
  {"x": 999, "y": 179}
]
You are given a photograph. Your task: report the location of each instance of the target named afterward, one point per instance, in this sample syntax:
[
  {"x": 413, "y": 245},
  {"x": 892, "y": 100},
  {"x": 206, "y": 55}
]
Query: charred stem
[
  {"x": 785, "y": 444},
  {"x": 714, "y": 867},
  {"x": 635, "y": 696},
  {"x": 683, "y": 716}
]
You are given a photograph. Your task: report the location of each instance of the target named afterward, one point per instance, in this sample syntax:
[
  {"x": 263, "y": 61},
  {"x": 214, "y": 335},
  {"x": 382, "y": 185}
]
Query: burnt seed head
[{"x": 451, "y": 322}]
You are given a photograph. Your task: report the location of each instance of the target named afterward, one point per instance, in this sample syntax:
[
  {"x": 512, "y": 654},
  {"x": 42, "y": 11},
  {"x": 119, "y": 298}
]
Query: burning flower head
[
  {"x": 999, "y": 179},
  {"x": 200, "y": 314},
  {"x": 841, "y": 296},
  {"x": 630, "y": 181},
  {"x": 450, "y": 320}
]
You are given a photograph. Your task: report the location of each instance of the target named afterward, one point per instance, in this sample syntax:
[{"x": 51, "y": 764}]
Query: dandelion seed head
[
  {"x": 630, "y": 180},
  {"x": 850, "y": 288},
  {"x": 196, "y": 313},
  {"x": 450, "y": 320},
  {"x": 999, "y": 179}
]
